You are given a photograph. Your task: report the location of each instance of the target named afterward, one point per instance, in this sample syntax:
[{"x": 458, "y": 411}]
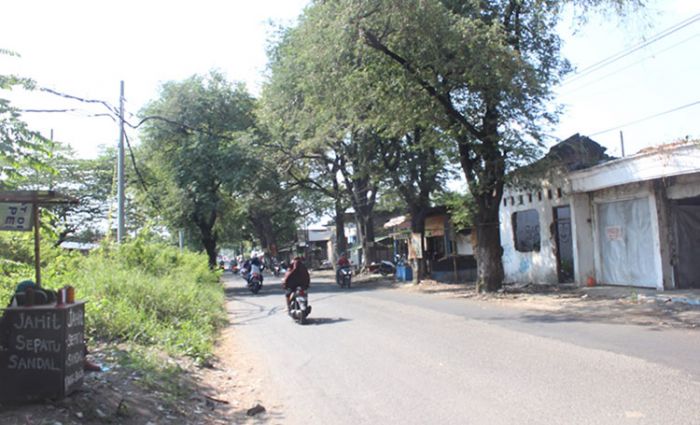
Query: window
[{"x": 526, "y": 230}]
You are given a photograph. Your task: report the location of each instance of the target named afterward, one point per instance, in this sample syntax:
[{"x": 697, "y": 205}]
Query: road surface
[{"x": 387, "y": 356}]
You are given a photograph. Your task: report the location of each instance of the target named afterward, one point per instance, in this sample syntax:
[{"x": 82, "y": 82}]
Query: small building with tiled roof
[{"x": 581, "y": 216}]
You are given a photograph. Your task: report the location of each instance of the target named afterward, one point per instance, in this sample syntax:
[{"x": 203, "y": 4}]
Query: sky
[{"x": 85, "y": 48}]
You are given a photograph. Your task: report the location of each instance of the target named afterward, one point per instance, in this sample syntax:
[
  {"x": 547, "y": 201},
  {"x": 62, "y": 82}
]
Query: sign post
[{"x": 19, "y": 211}]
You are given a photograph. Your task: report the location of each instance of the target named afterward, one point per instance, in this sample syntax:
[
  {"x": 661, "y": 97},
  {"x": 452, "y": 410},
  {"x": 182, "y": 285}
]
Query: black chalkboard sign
[{"x": 42, "y": 351}]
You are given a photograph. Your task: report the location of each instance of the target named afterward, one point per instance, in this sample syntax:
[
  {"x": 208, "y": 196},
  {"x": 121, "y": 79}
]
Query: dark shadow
[
  {"x": 235, "y": 287},
  {"x": 324, "y": 320}
]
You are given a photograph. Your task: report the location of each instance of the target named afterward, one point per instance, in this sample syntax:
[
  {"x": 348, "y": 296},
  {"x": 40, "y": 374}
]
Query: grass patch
[{"x": 140, "y": 292}]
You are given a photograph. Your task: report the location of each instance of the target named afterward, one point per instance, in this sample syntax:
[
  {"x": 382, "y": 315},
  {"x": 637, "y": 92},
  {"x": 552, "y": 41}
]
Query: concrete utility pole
[
  {"x": 622, "y": 144},
  {"x": 120, "y": 168}
]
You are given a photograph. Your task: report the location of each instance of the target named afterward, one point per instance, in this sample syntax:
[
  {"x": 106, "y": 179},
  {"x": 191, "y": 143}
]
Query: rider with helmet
[{"x": 297, "y": 276}]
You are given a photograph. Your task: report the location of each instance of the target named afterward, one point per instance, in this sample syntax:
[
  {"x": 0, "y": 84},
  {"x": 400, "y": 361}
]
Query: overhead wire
[
  {"x": 626, "y": 52},
  {"x": 627, "y": 124},
  {"x": 685, "y": 40}
]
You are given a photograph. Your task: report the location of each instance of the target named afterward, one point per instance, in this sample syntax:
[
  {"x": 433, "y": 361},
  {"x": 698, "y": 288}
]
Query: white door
[{"x": 626, "y": 243}]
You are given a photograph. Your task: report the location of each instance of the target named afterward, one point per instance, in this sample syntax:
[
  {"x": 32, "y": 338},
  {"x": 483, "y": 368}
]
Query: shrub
[{"x": 141, "y": 292}]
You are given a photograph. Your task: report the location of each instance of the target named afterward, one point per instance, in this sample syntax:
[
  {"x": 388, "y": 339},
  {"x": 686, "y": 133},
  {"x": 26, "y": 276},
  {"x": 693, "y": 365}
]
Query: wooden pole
[{"x": 37, "y": 253}]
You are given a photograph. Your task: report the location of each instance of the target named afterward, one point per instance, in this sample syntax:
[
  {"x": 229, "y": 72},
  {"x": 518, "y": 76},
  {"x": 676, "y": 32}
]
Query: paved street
[{"x": 392, "y": 356}]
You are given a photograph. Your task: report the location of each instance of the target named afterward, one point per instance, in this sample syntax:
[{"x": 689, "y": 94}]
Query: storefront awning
[{"x": 397, "y": 221}]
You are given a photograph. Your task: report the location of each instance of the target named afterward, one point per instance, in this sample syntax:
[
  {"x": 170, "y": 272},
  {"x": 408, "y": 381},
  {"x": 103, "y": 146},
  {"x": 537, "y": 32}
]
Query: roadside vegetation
[{"x": 141, "y": 292}]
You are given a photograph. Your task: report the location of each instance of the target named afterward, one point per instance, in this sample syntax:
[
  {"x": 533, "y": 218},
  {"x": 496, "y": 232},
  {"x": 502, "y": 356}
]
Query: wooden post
[{"x": 37, "y": 254}]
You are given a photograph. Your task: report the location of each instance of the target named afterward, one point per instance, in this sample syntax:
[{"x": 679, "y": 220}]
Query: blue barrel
[{"x": 404, "y": 273}]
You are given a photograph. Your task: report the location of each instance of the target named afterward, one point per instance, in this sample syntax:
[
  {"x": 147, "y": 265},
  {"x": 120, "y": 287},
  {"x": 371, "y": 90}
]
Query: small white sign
[
  {"x": 15, "y": 216},
  {"x": 613, "y": 233}
]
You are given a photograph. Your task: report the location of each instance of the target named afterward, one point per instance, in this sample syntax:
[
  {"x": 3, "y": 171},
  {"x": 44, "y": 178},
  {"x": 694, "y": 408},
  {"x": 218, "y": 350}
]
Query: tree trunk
[
  {"x": 418, "y": 226},
  {"x": 209, "y": 243},
  {"x": 340, "y": 242},
  {"x": 486, "y": 242},
  {"x": 366, "y": 232}
]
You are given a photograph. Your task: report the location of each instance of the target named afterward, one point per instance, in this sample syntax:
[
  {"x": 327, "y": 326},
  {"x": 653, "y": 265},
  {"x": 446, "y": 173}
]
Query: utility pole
[
  {"x": 120, "y": 168},
  {"x": 622, "y": 144},
  {"x": 51, "y": 175}
]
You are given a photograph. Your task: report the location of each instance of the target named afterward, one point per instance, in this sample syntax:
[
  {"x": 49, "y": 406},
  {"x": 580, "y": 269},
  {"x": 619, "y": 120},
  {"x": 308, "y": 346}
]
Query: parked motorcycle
[
  {"x": 299, "y": 307},
  {"x": 387, "y": 268},
  {"x": 255, "y": 282},
  {"x": 344, "y": 277}
]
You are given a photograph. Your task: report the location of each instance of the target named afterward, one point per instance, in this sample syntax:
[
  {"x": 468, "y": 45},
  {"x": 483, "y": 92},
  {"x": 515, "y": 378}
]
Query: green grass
[{"x": 140, "y": 292}]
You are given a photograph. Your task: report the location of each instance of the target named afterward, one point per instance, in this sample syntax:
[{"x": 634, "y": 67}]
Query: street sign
[{"x": 16, "y": 216}]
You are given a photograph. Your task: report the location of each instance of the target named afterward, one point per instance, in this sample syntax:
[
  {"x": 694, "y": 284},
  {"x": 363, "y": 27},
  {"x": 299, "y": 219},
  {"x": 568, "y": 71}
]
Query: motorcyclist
[
  {"x": 297, "y": 276},
  {"x": 255, "y": 267},
  {"x": 343, "y": 263}
]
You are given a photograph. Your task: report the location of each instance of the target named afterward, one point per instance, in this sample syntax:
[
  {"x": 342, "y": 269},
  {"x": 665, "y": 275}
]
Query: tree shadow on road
[{"x": 324, "y": 320}]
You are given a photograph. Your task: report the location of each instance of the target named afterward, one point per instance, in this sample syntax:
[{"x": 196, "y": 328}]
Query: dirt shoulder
[{"x": 571, "y": 303}]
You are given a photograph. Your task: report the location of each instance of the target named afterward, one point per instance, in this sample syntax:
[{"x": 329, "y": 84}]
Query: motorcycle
[
  {"x": 299, "y": 307},
  {"x": 344, "y": 277},
  {"x": 387, "y": 268},
  {"x": 255, "y": 282}
]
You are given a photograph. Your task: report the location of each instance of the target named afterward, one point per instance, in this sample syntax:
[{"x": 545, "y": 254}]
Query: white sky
[{"x": 84, "y": 48}]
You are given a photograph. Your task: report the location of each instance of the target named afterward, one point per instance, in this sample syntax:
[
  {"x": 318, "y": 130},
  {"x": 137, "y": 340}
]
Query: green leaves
[{"x": 195, "y": 150}]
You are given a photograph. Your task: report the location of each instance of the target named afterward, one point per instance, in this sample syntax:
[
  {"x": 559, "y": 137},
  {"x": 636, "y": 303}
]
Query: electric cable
[
  {"x": 685, "y": 40},
  {"x": 626, "y": 52},
  {"x": 645, "y": 118}
]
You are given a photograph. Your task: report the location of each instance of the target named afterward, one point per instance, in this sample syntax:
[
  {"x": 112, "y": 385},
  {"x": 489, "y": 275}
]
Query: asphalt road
[{"x": 387, "y": 356}]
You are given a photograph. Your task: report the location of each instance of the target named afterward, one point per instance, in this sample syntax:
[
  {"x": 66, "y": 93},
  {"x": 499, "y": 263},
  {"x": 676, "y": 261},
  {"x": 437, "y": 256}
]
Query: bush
[{"x": 141, "y": 292}]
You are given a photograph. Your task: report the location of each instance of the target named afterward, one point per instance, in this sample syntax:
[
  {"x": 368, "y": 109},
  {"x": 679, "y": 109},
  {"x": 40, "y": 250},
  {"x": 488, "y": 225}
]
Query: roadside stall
[{"x": 42, "y": 347}]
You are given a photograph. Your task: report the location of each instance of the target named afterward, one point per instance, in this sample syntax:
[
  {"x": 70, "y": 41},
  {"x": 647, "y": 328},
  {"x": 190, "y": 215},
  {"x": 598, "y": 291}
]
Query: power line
[
  {"x": 626, "y": 52},
  {"x": 645, "y": 118},
  {"x": 685, "y": 40}
]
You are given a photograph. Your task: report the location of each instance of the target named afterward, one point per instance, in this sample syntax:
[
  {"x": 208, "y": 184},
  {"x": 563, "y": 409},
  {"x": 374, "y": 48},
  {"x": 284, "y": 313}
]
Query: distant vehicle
[
  {"x": 325, "y": 265},
  {"x": 385, "y": 268},
  {"x": 344, "y": 277},
  {"x": 255, "y": 282}
]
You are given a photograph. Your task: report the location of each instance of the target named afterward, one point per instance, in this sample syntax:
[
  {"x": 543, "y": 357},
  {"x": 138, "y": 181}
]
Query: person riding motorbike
[
  {"x": 296, "y": 276},
  {"x": 343, "y": 263},
  {"x": 255, "y": 267}
]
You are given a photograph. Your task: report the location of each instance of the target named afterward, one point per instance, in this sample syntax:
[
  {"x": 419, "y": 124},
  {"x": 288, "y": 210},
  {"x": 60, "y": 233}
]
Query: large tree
[
  {"x": 192, "y": 144},
  {"x": 479, "y": 71}
]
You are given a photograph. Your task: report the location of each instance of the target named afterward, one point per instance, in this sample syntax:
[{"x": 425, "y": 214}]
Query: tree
[
  {"x": 87, "y": 180},
  {"x": 415, "y": 166},
  {"x": 479, "y": 71},
  {"x": 191, "y": 141},
  {"x": 20, "y": 147}
]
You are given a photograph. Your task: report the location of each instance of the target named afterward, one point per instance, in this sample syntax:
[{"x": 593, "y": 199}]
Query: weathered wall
[
  {"x": 582, "y": 229},
  {"x": 536, "y": 266}
]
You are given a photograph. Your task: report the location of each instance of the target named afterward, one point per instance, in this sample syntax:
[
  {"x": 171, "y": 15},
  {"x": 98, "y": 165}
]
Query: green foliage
[
  {"x": 192, "y": 142},
  {"x": 141, "y": 292},
  {"x": 156, "y": 373},
  {"x": 87, "y": 180},
  {"x": 460, "y": 207},
  {"x": 20, "y": 147}
]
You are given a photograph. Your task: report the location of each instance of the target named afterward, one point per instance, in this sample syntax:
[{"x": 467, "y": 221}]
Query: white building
[{"x": 629, "y": 221}]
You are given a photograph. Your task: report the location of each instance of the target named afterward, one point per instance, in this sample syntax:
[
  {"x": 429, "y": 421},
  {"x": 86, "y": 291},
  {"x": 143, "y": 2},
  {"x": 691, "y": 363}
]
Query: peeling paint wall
[
  {"x": 535, "y": 266},
  {"x": 582, "y": 226}
]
